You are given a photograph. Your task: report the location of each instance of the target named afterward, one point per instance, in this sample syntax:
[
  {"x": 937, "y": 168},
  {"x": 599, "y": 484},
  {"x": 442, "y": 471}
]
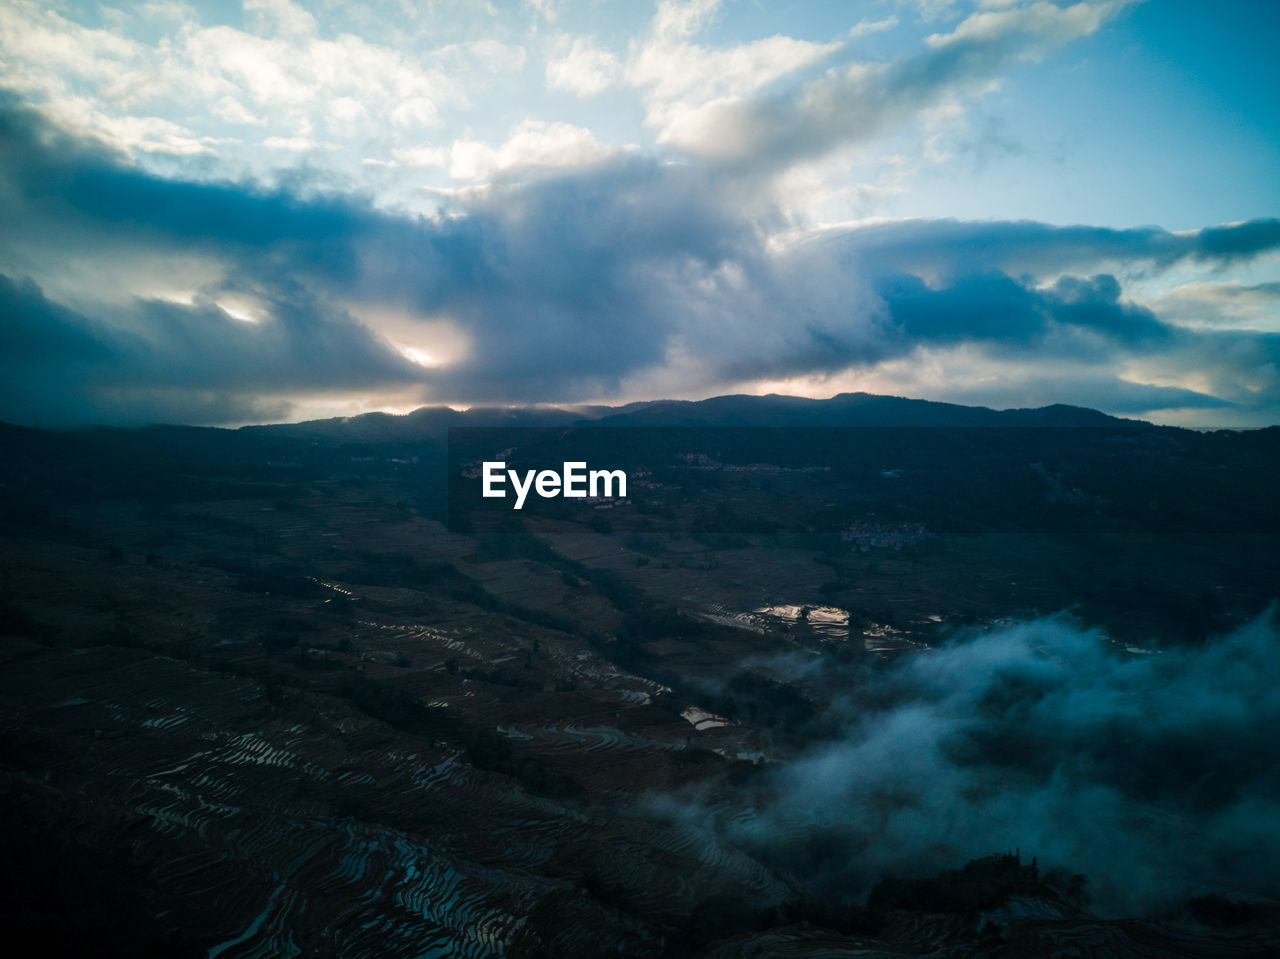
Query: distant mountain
[
  {"x": 1195, "y": 480},
  {"x": 97, "y": 459},
  {"x": 845, "y": 409},
  {"x": 428, "y": 422}
]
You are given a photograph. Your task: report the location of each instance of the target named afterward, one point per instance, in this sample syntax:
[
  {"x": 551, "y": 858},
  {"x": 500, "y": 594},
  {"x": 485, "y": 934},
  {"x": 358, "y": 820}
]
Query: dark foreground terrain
[{"x": 263, "y": 695}]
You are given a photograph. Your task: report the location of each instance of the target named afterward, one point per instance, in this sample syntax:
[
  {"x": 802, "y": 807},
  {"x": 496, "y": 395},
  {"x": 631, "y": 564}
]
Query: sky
[{"x": 224, "y": 213}]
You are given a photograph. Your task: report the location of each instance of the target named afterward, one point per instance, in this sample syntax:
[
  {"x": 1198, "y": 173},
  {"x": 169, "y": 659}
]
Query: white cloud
[
  {"x": 160, "y": 96},
  {"x": 492, "y": 56},
  {"x": 128, "y": 133},
  {"x": 280, "y": 15},
  {"x": 585, "y": 70},
  {"x": 415, "y": 112},
  {"x": 296, "y": 144},
  {"x": 865, "y": 28},
  {"x": 1043, "y": 21},
  {"x": 688, "y": 72},
  {"x": 549, "y": 10},
  {"x": 165, "y": 10},
  {"x": 347, "y": 110},
  {"x": 233, "y": 111},
  {"x": 42, "y": 51},
  {"x": 855, "y": 102},
  {"x": 532, "y": 145},
  {"x": 419, "y": 156},
  {"x": 680, "y": 19},
  {"x": 282, "y": 73}
]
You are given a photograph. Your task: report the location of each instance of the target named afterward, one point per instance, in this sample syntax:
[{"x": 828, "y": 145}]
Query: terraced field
[
  {"x": 410, "y": 775},
  {"x": 322, "y": 725}
]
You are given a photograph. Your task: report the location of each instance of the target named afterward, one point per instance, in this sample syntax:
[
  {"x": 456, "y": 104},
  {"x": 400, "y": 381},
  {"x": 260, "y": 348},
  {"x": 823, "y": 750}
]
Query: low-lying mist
[{"x": 1155, "y": 773}]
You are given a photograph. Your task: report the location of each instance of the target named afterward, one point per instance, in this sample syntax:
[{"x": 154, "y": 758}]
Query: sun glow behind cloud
[{"x": 271, "y": 206}]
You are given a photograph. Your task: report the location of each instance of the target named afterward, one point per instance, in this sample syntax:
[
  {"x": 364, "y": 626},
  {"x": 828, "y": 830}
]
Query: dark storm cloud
[
  {"x": 578, "y": 276},
  {"x": 1240, "y": 241},
  {"x": 53, "y": 166},
  {"x": 1241, "y": 365},
  {"x": 953, "y": 248},
  {"x": 75, "y": 190},
  {"x": 564, "y": 287},
  {"x": 158, "y": 361},
  {"x": 1000, "y": 309}
]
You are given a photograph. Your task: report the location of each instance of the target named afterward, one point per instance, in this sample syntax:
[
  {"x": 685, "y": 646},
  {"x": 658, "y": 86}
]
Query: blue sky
[{"x": 240, "y": 212}]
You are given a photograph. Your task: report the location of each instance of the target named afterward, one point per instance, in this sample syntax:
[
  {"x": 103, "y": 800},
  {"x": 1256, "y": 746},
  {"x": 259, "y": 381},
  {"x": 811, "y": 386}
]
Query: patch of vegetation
[{"x": 980, "y": 884}]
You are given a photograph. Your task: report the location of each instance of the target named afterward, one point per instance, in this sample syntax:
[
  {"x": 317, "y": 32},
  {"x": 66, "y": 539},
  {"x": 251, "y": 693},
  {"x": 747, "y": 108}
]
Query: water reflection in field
[{"x": 831, "y": 624}]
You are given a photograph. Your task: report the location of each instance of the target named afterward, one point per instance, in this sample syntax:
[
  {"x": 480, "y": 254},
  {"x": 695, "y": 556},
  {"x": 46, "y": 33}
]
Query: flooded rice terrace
[{"x": 829, "y": 624}]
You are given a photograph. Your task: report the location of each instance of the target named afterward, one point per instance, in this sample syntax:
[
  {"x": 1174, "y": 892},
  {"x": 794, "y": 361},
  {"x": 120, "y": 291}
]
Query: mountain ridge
[{"x": 770, "y": 410}]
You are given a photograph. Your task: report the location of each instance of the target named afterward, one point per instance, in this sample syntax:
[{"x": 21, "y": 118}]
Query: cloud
[
  {"x": 548, "y": 9},
  {"x": 281, "y": 15},
  {"x": 300, "y": 144},
  {"x": 532, "y": 145},
  {"x": 997, "y": 308},
  {"x": 532, "y": 148},
  {"x": 676, "y": 20},
  {"x": 980, "y": 375},
  {"x": 1240, "y": 366},
  {"x": 931, "y": 10},
  {"x": 584, "y": 71},
  {"x": 275, "y": 69},
  {"x": 573, "y": 272},
  {"x": 303, "y": 72},
  {"x": 1230, "y": 305},
  {"x": 866, "y": 27},
  {"x": 855, "y": 101},
  {"x": 46, "y": 51},
  {"x": 415, "y": 112},
  {"x": 233, "y": 111},
  {"x": 143, "y": 134},
  {"x": 1150, "y": 772},
  {"x": 941, "y": 248},
  {"x": 679, "y": 77},
  {"x": 162, "y": 361}
]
